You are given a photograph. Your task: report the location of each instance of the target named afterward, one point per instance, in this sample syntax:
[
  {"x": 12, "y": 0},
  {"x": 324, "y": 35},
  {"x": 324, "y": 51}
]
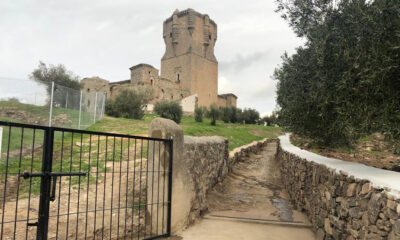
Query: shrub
[
  {"x": 198, "y": 114},
  {"x": 128, "y": 104},
  {"x": 170, "y": 110},
  {"x": 234, "y": 118},
  {"x": 213, "y": 113},
  {"x": 250, "y": 116},
  {"x": 225, "y": 114}
]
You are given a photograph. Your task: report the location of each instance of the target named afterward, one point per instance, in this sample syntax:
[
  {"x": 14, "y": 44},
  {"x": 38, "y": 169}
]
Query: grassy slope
[{"x": 237, "y": 134}]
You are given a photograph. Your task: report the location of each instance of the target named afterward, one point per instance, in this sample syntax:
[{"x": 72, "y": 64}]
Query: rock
[
  {"x": 366, "y": 188},
  {"x": 328, "y": 227},
  {"x": 320, "y": 234},
  {"x": 374, "y": 207},
  {"x": 396, "y": 227},
  {"x": 398, "y": 209},
  {"x": 355, "y": 212},
  {"x": 351, "y": 189},
  {"x": 391, "y": 204}
]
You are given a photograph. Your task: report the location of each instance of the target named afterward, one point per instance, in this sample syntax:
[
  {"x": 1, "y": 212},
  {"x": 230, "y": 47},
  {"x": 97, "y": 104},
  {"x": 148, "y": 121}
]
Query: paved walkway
[{"x": 250, "y": 204}]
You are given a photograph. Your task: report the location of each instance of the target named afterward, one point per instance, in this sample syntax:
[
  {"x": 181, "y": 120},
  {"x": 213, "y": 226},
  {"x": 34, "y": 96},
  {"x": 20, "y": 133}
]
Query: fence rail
[{"x": 58, "y": 183}]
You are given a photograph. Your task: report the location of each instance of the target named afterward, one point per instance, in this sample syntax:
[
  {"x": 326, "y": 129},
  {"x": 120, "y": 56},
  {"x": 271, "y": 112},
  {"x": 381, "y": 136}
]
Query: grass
[
  {"x": 75, "y": 151},
  {"x": 39, "y": 115},
  {"x": 237, "y": 134}
]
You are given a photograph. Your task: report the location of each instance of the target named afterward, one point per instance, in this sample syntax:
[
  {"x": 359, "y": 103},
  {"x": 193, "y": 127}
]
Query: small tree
[
  {"x": 234, "y": 117},
  {"x": 250, "y": 116},
  {"x": 198, "y": 114},
  {"x": 59, "y": 75},
  {"x": 213, "y": 113},
  {"x": 225, "y": 114},
  {"x": 170, "y": 110},
  {"x": 128, "y": 104}
]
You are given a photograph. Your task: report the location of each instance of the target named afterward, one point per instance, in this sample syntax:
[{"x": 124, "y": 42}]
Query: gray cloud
[
  {"x": 240, "y": 62},
  {"x": 104, "y": 38}
]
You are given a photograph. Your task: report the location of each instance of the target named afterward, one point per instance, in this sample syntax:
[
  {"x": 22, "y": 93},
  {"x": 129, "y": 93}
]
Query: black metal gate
[{"x": 58, "y": 183}]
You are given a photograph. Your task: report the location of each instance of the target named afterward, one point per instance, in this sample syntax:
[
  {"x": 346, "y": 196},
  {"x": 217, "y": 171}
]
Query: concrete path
[{"x": 250, "y": 204}]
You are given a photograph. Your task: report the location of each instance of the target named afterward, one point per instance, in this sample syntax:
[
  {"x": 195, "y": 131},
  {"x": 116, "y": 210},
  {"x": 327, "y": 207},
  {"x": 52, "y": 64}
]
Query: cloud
[
  {"x": 240, "y": 62},
  {"x": 104, "y": 38}
]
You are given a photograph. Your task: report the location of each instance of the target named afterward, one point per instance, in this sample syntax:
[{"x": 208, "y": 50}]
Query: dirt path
[{"x": 250, "y": 204}]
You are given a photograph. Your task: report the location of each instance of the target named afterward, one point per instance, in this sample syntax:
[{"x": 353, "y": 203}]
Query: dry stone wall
[
  {"x": 339, "y": 204},
  {"x": 209, "y": 161},
  {"x": 198, "y": 164}
]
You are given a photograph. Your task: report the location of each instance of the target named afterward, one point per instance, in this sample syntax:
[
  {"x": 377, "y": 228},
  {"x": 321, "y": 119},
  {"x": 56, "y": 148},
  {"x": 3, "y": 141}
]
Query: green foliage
[
  {"x": 225, "y": 114},
  {"x": 234, "y": 118},
  {"x": 270, "y": 120},
  {"x": 250, "y": 116},
  {"x": 128, "y": 104},
  {"x": 213, "y": 113},
  {"x": 343, "y": 84},
  {"x": 44, "y": 74},
  {"x": 198, "y": 114},
  {"x": 170, "y": 110}
]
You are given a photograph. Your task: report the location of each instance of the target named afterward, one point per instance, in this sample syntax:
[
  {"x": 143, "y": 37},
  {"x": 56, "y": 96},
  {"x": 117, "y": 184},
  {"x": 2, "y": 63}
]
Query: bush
[
  {"x": 225, "y": 114},
  {"x": 234, "y": 117},
  {"x": 170, "y": 110},
  {"x": 213, "y": 113},
  {"x": 128, "y": 104},
  {"x": 198, "y": 114},
  {"x": 250, "y": 116}
]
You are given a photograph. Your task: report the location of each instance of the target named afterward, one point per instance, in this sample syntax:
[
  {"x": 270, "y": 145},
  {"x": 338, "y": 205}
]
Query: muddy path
[{"x": 253, "y": 191}]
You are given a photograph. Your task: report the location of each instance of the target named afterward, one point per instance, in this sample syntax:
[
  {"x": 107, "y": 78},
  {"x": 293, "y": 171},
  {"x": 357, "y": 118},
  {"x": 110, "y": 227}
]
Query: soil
[
  {"x": 374, "y": 152},
  {"x": 250, "y": 204},
  {"x": 109, "y": 215}
]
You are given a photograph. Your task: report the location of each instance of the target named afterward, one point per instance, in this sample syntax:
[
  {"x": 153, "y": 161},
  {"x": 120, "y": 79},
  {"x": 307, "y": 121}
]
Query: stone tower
[{"x": 189, "y": 54}]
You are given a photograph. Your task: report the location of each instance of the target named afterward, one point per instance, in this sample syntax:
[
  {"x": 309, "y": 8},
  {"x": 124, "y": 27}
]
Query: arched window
[
  {"x": 151, "y": 82},
  {"x": 172, "y": 97},
  {"x": 177, "y": 77}
]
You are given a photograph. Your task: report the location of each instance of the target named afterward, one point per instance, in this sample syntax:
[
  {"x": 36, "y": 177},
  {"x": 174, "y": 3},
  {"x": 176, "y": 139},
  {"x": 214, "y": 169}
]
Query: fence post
[
  {"x": 103, "y": 105},
  {"x": 95, "y": 108},
  {"x": 66, "y": 100},
  {"x": 51, "y": 103},
  {"x": 80, "y": 111}
]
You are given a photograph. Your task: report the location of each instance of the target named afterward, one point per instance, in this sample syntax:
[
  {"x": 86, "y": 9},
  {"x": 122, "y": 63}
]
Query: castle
[{"x": 189, "y": 69}]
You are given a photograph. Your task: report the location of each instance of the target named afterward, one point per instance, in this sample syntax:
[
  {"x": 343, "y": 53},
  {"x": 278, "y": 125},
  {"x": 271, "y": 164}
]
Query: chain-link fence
[{"x": 49, "y": 104}]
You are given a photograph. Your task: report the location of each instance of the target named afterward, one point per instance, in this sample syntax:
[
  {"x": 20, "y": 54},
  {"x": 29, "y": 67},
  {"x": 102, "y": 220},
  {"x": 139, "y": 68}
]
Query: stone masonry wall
[
  {"x": 339, "y": 205},
  {"x": 209, "y": 163}
]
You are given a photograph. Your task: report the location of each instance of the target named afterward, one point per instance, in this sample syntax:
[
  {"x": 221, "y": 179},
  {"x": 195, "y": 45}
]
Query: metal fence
[
  {"x": 58, "y": 183},
  {"x": 49, "y": 104}
]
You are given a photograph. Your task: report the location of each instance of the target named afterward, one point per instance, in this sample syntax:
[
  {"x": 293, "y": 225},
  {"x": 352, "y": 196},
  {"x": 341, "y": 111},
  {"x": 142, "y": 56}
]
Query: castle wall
[
  {"x": 188, "y": 66},
  {"x": 204, "y": 80}
]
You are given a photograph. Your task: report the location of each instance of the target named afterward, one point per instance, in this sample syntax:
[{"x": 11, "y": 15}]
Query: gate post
[
  {"x": 179, "y": 190},
  {"x": 44, "y": 202}
]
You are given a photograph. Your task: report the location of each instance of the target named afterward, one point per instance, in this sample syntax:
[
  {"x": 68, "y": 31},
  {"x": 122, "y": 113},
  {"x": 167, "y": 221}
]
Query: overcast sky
[{"x": 106, "y": 37}]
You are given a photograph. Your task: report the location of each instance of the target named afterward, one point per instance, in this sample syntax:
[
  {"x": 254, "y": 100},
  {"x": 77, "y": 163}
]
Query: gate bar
[{"x": 44, "y": 202}]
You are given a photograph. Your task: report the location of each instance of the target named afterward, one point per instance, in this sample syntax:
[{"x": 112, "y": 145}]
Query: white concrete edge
[
  {"x": 235, "y": 150},
  {"x": 380, "y": 178}
]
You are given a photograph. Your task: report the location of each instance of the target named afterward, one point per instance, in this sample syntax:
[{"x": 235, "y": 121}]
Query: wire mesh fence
[{"x": 49, "y": 104}]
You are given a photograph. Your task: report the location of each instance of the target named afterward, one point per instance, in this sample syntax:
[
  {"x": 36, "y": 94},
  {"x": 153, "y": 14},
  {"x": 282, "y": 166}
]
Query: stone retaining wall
[
  {"x": 209, "y": 161},
  {"x": 198, "y": 164},
  {"x": 339, "y": 205}
]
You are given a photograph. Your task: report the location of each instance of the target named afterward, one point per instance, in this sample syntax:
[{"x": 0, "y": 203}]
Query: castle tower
[{"x": 189, "y": 54}]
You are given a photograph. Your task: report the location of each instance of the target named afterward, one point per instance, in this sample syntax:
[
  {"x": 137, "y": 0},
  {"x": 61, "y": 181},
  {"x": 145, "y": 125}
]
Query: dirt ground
[
  {"x": 250, "y": 204},
  {"x": 374, "y": 152},
  {"x": 97, "y": 206}
]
